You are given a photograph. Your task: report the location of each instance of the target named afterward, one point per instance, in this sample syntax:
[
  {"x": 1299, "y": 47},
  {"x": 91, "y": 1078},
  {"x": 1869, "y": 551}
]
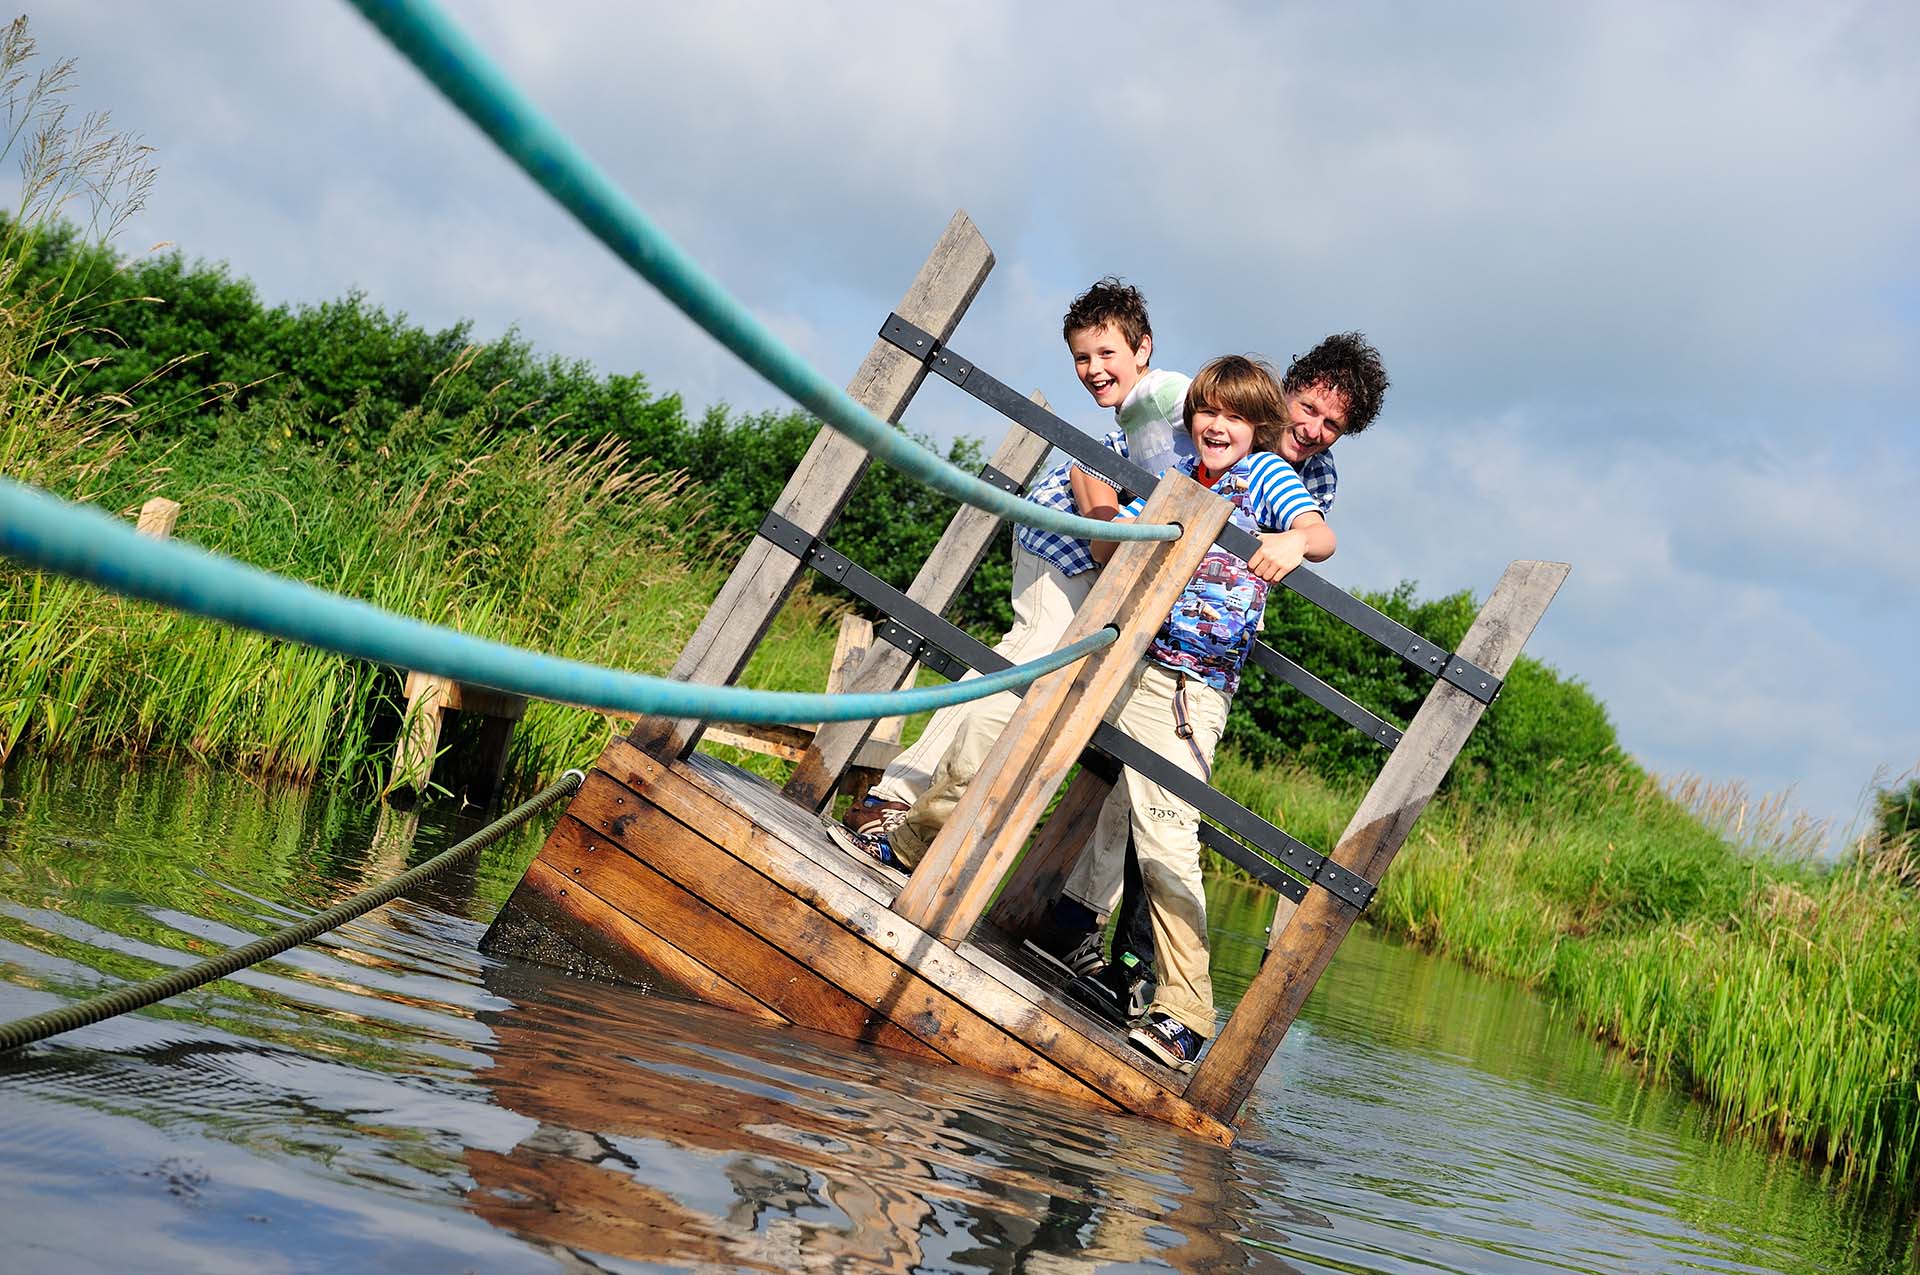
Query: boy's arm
[
  {"x": 1309, "y": 539},
  {"x": 1102, "y": 550},
  {"x": 1093, "y": 497}
]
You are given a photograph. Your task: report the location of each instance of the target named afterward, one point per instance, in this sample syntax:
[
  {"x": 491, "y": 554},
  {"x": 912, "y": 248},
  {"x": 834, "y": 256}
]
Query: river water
[{"x": 389, "y": 1099}]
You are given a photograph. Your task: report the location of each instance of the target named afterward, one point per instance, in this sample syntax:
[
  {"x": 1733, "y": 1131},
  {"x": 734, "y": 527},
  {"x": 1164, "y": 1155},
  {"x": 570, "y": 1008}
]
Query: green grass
[{"x": 1687, "y": 927}]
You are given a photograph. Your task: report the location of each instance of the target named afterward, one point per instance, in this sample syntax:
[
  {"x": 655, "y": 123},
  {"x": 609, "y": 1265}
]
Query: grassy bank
[{"x": 1783, "y": 992}]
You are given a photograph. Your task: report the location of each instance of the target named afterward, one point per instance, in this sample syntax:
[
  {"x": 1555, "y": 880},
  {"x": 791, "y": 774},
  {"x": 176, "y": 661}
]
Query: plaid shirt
[{"x": 1054, "y": 490}]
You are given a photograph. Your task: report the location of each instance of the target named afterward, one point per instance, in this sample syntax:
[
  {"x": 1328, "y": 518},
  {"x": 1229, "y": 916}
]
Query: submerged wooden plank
[
  {"x": 1302, "y": 950},
  {"x": 1001, "y": 996},
  {"x": 842, "y": 963},
  {"x": 632, "y": 886},
  {"x": 611, "y": 927}
]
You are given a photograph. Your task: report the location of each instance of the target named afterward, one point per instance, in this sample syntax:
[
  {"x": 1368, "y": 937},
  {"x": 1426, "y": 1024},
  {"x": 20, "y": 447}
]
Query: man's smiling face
[
  {"x": 1316, "y": 417},
  {"x": 1106, "y": 364}
]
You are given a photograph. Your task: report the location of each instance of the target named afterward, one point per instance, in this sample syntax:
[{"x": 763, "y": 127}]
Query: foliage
[
  {"x": 1896, "y": 811},
  {"x": 1540, "y": 724}
]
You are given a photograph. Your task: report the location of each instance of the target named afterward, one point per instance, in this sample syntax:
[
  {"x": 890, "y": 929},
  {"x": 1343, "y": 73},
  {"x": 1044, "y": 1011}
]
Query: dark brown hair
[
  {"x": 1347, "y": 363},
  {"x": 1109, "y": 301}
]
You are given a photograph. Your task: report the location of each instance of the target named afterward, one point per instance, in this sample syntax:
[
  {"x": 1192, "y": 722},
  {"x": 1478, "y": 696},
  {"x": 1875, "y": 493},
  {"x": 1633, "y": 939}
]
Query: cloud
[{"x": 1644, "y": 277}]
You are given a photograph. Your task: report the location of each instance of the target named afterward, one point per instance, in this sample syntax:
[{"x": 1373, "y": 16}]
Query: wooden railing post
[
  {"x": 952, "y": 884},
  {"x": 1302, "y": 949},
  {"x": 886, "y": 667},
  {"x": 157, "y": 517},
  {"x": 820, "y": 486}
]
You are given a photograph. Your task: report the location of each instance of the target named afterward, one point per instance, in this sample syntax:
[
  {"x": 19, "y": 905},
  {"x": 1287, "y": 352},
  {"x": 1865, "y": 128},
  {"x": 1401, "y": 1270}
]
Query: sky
[{"x": 1646, "y": 277}]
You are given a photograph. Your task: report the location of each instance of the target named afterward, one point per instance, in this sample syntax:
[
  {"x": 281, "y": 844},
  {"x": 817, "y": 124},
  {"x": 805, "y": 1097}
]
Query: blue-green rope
[
  {"x": 444, "y": 54},
  {"x": 74, "y": 540}
]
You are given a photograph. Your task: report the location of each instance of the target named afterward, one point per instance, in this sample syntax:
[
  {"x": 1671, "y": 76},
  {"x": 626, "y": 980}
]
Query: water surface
[{"x": 389, "y": 1099}]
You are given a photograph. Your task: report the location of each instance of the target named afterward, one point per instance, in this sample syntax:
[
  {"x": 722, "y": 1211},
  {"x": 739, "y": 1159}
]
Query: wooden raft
[{"x": 674, "y": 868}]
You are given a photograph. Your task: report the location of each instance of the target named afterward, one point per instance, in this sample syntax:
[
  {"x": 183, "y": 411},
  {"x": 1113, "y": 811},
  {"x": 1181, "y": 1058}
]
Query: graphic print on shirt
[{"x": 1213, "y": 626}]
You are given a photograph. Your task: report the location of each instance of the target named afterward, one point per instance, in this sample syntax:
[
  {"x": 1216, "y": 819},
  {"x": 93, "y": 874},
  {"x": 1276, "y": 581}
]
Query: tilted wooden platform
[
  {"x": 705, "y": 874},
  {"x": 673, "y": 867}
]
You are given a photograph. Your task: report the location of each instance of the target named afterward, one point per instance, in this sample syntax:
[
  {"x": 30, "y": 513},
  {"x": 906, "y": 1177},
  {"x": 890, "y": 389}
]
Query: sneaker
[
  {"x": 873, "y": 845},
  {"x": 875, "y": 816},
  {"x": 1167, "y": 1040}
]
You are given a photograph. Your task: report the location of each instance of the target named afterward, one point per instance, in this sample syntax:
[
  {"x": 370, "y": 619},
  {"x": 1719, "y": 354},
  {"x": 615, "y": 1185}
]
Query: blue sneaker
[
  {"x": 1167, "y": 1040},
  {"x": 872, "y": 844}
]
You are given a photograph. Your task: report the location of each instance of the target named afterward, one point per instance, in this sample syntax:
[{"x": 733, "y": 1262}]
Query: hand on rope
[
  {"x": 468, "y": 79},
  {"x": 87, "y": 544}
]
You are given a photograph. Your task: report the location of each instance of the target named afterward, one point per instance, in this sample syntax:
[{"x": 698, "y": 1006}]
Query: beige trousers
[{"x": 1043, "y": 605}]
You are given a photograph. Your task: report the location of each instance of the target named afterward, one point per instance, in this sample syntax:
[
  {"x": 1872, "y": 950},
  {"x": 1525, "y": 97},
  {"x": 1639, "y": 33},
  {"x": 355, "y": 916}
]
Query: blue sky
[{"x": 1644, "y": 275}]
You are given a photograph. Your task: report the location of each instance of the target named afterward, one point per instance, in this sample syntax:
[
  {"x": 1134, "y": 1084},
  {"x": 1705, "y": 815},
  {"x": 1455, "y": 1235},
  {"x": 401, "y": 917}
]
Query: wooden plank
[
  {"x": 157, "y": 518},
  {"x": 952, "y": 885},
  {"x": 1372, "y": 838},
  {"x": 832, "y": 976},
  {"x": 820, "y": 486},
  {"x": 611, "y": 927},
  {"x": 419, "y": 742},
  {"x": 603, "y": 866},
  {"x": 944, "y": 574},
  {"x": 1001, "y": 996},
  {"x": 1036, "y": 883}
]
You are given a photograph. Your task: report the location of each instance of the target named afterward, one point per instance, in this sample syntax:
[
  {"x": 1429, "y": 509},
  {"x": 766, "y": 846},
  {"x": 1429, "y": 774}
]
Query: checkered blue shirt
[{"x": 1054, "y": 490}]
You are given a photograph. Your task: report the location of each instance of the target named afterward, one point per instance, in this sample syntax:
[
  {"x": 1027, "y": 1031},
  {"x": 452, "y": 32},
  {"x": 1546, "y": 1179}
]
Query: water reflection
[{"x": 389, "y": 1098}]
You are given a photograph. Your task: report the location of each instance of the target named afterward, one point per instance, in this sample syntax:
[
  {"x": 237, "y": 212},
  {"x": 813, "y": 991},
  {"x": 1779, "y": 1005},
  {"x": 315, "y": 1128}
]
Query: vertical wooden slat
[
  {"x": 951, "y": 886},
  {"x": 157, "y": 517},
  {"x": 1036, "y": 883},
  {"x": 945, "y": 573},
  {"x": 820, "y": 486},
  {"x": 1405, "y": 784}
]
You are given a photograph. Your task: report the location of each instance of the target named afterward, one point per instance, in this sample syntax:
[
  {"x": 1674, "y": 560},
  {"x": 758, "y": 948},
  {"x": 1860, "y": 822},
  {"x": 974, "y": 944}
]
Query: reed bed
[{"x": 1689, "y": 925}]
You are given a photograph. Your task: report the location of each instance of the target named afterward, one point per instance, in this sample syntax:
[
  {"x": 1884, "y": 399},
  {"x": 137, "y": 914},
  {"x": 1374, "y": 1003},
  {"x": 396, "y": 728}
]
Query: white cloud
[{"x": 1644, "y": 276}]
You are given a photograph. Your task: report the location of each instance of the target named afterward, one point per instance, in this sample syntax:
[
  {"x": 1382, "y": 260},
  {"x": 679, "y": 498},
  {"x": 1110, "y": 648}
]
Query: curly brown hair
[
  {"x": 1347, "y": 363},
  {"x": 1109, "y": 301}
]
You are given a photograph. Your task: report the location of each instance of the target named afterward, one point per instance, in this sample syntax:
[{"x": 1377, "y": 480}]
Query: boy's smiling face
[
  {"x": 1106, "y": 364},
  {"x": 1316, "y": 417},
  {"x": 1221, "y": 437}
]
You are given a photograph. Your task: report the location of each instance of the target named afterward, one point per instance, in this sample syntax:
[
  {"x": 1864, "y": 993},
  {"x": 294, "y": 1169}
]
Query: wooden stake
[
  {"x": 1378, "y": 829},
  {"x": 819, "y": 488},
  {"x": 951, "y": 886},
  {"x": 157, "y": 517},
  {"x": 942, "y": 577}
]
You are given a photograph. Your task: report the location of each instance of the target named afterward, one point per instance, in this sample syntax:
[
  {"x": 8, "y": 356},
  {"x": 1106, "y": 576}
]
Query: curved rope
[
  {"x": 124, "y": 1000},
  {"x": 469, "y": 79},
  {"x": 87, "y": 544}
]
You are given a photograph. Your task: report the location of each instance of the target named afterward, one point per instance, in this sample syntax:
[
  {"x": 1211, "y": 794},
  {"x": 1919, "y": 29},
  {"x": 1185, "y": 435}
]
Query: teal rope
[
  {"x": 124, "y": 1000},
  {"x": 86, "y": 544},
  {"x": 444, "y": 54}
]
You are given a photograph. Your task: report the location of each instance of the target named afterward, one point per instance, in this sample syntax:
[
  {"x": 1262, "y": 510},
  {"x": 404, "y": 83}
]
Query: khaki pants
[
  {"x": 1166, "y": 830},
  {"x": 1043, "y": 605}
]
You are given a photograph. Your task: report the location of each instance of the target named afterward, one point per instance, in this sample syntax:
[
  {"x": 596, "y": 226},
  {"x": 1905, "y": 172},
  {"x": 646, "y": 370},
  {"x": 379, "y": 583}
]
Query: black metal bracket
[
  {"x": 1430, "y": 657},
  {"x": 1004, "y": 482},
  {"x": 951, "y": 651}
]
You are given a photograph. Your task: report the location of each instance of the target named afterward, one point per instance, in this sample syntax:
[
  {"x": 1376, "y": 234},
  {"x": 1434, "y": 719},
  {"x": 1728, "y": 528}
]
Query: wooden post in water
[
  {"x": 1302, "y": 949},
  {"x": 886, "y": 667},
  {"x": 951, "y": 886},
  {"x": 428, "y": 697},
  {"x": 157, "y": 517},
  {"x": 820, "y": 486}
]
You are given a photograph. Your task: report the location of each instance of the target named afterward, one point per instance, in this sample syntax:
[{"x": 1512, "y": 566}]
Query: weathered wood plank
[
  {"x": 157, "y": 518},
  {"x": 1375, "y": 834},
  {"x": 843, "y": 966},
  {"x": 952, "y": 885},
  {"x": 940, "y": 580},
  {"x": 582, "y": 850},
  {"x": 813, "y": 498},
  {"x": 1037, "y": 881},
  {"x": 997, "y": 994},
  {"x": 611, "y": 927}
]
